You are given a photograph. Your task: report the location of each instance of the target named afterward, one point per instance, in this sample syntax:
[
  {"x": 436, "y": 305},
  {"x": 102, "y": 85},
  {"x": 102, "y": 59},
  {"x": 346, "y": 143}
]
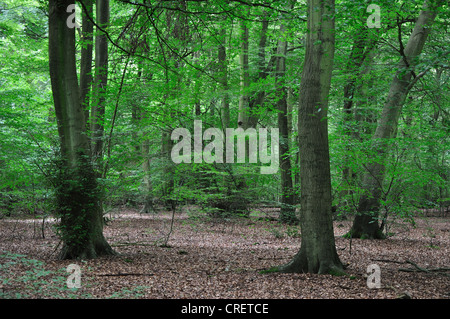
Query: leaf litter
[{"x": 223, "y": 259}]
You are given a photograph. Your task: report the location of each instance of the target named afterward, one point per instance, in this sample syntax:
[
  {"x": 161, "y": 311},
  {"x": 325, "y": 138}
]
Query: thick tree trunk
[
  {"x": 317, "y": 253},
  {"x": 366, "y": 222},
  {"x": 287, "y": 212},
  {"x": 81, "y": 226}
]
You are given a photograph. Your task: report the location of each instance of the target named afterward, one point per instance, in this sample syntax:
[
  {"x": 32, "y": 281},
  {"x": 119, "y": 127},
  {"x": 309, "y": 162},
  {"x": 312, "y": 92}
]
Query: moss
[
  {"x": 336, "y": 272},
  {"x": 365, "y": 236},
  {"x": 270, "y": 270},
  {"x": 347, "y": 235},
  {"x": 351, "y": 234}
]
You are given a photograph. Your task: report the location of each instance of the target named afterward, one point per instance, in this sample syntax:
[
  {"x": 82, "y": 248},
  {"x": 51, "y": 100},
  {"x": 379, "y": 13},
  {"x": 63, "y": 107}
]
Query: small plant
[
  {"x": 431, "y": 234},
  {"x": 290, "y": 231},
  {"x": 276, "y": 232},
  {"x": 269, "y": 270},
  {"x": 34, "y": 280},
  {"x": 293, "y": 231}
]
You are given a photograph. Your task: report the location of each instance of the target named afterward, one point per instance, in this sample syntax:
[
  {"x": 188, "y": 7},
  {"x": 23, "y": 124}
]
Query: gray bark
[
  {"x": 317, "y": 253},
  {"x": 86, "y": 58},
  {"x": 287, "y": 212},
  {"x": 101, "y": 81}
]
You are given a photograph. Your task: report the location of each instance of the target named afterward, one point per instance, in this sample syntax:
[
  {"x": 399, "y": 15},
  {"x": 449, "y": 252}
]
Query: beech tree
[
  {"x": 78, "y": 194},
  {"x": 366, "y": 221},
  {"x": 317, "y": 253}
]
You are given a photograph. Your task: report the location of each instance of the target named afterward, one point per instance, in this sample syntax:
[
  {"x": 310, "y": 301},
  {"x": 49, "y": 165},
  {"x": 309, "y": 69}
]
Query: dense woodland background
[{"x": 145, "y": 68}]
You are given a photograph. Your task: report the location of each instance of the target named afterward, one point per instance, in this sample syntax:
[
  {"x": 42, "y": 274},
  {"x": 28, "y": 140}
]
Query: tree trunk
[
  {"x": 223, "y": 79},
  {"x": 287, "y": 212},
  {"x": 101, "y": 79},
  {"x": 366, "y": 222},
  {"x": 317, "y": 253},
  {"x": 148, "y": 187},
  {"x": 178, "y": 28},
  {"x": 295, "y": 161},
  {"x": 245, "y": 78},
  {"x": 142, "y": 146},
  {"x": 86, "y": 58},
  {"x": 256, "y": 101},
  {"x": 77, "y": 192}
]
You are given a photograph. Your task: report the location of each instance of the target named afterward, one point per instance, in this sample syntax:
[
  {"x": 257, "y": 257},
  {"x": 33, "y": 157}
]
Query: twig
[
  {"x": 124, "y": 274},
  {"x": 417, "y": 268},
  {"x": 54, "y": 250},
  {"x": 426, "y": 270},
  {"x": 131, "y": 244},
  {"x": 389, "y": 261}
]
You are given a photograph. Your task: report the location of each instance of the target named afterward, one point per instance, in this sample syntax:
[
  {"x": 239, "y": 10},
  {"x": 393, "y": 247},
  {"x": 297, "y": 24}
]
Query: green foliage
[
  {"x": 34, "y": 280},
  {"x": 26, "y": 135},
  {"x": 170, "y": 81},
  {"x": 279, "y": 231}
]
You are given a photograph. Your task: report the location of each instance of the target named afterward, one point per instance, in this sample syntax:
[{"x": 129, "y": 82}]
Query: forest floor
[{"x": 217, "y": 258}]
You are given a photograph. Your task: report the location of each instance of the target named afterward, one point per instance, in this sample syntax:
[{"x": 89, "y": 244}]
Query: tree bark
[
  {"x": 317, "y": 253},
  {"x": 86, "y": 58},
  {"x": 223, "y": 79},
  {"x": 101, "y": 81},
  {"x": 365, "y": 223},
  {"x": 77, "y": 192},
  {"x": 148, "y": 186},
  {"x": 287, "y": 212},
  {"x": 245, "y": 78},
  {"x": 258, "y": 96}
]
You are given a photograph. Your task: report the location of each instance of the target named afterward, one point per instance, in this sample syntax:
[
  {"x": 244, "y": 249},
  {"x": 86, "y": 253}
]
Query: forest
[{"x": 211, "y": 149}]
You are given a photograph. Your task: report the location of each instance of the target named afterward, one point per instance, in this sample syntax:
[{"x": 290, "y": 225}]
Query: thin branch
[
  {"x": 158, "y": 6},
  {"x": 426, "y": 270},
  {"x": 130, "y": 53},
  {"x": 175, "y": 52}
]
